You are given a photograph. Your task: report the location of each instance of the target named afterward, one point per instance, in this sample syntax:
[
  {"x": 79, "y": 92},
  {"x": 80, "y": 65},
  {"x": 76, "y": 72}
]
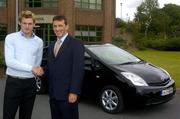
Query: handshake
[{"x": 37, "y": 71}]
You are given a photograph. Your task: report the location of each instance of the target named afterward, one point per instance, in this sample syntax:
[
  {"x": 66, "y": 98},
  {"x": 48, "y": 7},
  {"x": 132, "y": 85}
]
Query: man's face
[
  {"x": 59, "y": 27},
  {"x": 27, "y": 25}
]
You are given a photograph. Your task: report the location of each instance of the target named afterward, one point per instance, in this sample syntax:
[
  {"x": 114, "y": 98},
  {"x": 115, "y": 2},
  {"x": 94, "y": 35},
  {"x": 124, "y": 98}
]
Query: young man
[
  {"x": 66, "y": 70},
  {"x": 23, "y": 54}
]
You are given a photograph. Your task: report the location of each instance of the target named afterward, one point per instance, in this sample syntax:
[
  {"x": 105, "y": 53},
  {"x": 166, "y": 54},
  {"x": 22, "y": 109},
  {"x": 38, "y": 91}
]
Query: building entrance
[{"x": 45, "y": 32}]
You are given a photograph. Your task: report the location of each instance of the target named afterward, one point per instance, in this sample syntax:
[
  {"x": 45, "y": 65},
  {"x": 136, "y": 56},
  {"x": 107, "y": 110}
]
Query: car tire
[
  {"x": 41, "y": 89},
  {"x": 111, "y": 99}
]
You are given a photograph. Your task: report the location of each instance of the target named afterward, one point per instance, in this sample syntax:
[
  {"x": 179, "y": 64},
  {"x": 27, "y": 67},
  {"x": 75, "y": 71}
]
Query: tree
[
  {"x": 120, "y": 23},
  {"x": 144, "y": 14},
  {"x": 173, "y": 11},
  {"x": 160, "y": 23}
]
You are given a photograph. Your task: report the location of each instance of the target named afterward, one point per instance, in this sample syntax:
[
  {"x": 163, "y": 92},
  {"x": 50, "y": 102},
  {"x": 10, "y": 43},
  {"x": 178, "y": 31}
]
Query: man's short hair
[
  {"x": 26, "y": 14},
  {"x": 60, "y": 18}
]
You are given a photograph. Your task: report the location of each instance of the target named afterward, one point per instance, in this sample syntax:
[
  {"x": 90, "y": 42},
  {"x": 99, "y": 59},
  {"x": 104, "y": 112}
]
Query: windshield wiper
[
  {"x": 141, "y": 61},
  {"x": 125, "y": 63},
  {"x": 128, "y": 63}
]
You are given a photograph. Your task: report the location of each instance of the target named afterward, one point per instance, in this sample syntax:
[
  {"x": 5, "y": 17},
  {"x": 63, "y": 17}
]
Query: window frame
[
  {"x": 41, "y": 3},
  {"x": 3, "y": 3},
  {"x": 89, "y": 33},
  {"x": 89, "y": 4}
]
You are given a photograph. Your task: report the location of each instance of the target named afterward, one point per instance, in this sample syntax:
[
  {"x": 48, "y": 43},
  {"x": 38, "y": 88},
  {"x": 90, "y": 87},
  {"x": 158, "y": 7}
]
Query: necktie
[{"x": 57, "y": 47}]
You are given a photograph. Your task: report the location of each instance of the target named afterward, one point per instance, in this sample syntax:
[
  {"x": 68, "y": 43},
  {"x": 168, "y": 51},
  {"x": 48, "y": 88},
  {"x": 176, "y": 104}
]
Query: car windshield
[{"x": 113, "y": 55}]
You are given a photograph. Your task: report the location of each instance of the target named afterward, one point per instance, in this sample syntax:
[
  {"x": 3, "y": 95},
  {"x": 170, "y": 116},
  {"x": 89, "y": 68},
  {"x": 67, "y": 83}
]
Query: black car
[{"x": 116, "y": 78}]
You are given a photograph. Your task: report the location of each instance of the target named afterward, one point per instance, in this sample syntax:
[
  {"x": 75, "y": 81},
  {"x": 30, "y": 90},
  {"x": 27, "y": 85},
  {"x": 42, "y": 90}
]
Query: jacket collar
[{"x": 63, "y": 46}]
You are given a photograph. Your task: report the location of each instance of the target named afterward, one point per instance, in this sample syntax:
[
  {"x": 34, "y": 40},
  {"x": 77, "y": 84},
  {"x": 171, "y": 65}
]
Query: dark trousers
[
  {"x": 63, "y": 110},
  {"x": 19, "y": 93}
]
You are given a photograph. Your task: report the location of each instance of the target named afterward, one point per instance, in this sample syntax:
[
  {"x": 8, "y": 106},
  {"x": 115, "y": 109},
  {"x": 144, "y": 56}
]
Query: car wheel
[
  {"x": 111, "y": 99},
  {"x": 40, "y": 86},
  {"x": 38, "y": 83}
]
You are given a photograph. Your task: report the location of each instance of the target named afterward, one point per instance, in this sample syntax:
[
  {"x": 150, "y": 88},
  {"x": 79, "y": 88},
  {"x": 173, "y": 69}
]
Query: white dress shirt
[
  {"x": 63, "y": 38},
  {"x": 22, "y": 53}
]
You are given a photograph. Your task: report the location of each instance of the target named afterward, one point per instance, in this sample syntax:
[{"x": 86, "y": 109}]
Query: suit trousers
[
  {"x": 19, "y": 93},
  {"x": 63, "y": 109}
]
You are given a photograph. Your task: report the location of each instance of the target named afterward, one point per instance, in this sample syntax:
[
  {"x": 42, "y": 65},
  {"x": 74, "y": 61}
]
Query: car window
[
  {"x": 88, "y": 61},
  {"x": 113, "y": 55}
]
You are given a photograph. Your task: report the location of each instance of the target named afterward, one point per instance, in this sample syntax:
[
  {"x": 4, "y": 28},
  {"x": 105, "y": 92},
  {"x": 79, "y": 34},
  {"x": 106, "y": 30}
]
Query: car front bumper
[{"x": 149, "y": 95}]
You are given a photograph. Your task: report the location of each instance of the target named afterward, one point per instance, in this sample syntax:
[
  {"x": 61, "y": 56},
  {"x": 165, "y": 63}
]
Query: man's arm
[
  {"x": 38, "y": 71},
  {"x": 78, "y": 68},
  {"x": 15, "y": 64},
  {"x": 10, "y": 57},
  {"x": 39, "y": 54}
]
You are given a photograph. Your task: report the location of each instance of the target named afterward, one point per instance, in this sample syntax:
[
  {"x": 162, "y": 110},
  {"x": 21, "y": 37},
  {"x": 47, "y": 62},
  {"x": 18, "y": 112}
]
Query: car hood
[{"x": 150, "y": 73}]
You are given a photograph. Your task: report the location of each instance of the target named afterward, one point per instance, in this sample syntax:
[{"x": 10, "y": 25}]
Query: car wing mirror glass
[{"x": 97, "y": 65}]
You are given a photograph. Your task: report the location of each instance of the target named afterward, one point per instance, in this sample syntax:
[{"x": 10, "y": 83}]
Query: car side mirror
[{"x": 97, "y": 65}]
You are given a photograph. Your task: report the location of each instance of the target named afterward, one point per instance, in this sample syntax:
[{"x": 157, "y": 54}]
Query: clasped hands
[{"x": 37, "y": 71}]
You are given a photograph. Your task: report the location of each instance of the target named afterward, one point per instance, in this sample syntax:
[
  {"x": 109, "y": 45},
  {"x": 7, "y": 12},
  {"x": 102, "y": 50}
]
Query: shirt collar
[
  {"x": 63, "y": 38},
  {"x": 22, "y": 34}
]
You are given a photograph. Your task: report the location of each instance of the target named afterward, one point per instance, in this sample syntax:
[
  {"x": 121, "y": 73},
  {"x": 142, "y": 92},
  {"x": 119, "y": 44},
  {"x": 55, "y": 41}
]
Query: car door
[{"x": 92, "y": 77}]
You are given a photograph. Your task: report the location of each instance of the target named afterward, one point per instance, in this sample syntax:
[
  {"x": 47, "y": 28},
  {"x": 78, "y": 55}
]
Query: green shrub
[
  {"x": 141, "y": 43},
  {"x": 118, "y": 41},
  {"x": 171, "y": 44}
]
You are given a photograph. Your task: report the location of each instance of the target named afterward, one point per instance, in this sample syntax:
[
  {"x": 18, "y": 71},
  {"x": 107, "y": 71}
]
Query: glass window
[
  {"x": 92, "y": 28},
  {"x": 98, "y": 7},
  {"x": 41, "y": 3},
  {"x": 85, "y": 33},
  {"x": 77, "y": 4},
  {"x": 2, "y": 3},
  {"x": 88, "y": 61},
  {"x": 85, "y": 5},
  {"x": 92, "y": 6},
  {"x": 3, "y": 32},
  {"x": 92, "y": 33},
  {"x": 92, "y": 1},
  {"x": 99, "y": 28},
  {"x": 89, "y": 33},
  {"x": 77, "y": 33},
  {"x": 99, "y": 2},
  {"x": 113, "y": 55},
  {"x": 84, "y": 28},
  {"x": 89, "y": 4},
  {"x": 49, "y": 3},
  {"x": 45, "y": 32},
  {"x": 33, "y": 3}
]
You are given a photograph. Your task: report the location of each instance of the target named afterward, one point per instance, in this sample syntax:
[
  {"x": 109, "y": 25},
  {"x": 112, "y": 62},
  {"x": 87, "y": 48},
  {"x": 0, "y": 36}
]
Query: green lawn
[{"x": 170, "y": 61}]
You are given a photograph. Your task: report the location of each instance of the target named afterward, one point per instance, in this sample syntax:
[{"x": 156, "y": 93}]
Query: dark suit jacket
[{"x": 66, "y": 70}]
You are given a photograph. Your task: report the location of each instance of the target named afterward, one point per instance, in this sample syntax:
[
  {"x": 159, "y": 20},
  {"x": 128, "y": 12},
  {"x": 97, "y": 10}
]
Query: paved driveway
[{"x": 89, "y": 110}]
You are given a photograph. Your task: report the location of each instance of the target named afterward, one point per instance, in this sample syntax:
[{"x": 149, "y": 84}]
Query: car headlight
[{"x": 135, "y": 79}]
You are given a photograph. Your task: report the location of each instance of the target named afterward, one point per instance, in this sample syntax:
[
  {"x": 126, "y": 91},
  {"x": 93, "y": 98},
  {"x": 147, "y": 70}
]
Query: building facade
[{"x": 91, "y": 21}]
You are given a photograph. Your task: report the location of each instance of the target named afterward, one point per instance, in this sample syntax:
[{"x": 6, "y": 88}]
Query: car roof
[{"x": 99, "y": 45}]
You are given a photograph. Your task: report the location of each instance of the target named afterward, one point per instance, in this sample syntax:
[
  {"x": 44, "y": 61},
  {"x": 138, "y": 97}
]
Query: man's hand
[
  {"x": 37, "y": 71},
  {"x": 72, "y": 98}
]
